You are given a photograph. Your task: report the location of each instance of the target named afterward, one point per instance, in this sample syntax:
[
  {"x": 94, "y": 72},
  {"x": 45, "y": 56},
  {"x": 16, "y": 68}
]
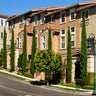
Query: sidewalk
[{"x": 61, "y": 86}]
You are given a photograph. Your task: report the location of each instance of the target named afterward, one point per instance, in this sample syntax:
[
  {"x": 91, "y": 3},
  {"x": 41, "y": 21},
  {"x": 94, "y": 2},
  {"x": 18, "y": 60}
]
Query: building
[
  {"x": 3, "y": 24},
  {"x": 58, "y": 19}
]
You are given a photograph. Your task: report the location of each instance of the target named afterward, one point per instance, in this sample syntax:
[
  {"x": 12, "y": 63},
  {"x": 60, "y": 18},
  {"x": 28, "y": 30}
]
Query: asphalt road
[{"x": 13, "y": 87}]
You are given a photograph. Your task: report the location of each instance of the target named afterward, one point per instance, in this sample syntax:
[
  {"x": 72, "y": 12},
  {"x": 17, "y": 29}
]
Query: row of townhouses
[{"x": 58, "y": 19}]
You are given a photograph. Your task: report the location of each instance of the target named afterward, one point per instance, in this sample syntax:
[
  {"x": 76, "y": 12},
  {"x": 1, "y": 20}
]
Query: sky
[{"x": 11, "y": 7}]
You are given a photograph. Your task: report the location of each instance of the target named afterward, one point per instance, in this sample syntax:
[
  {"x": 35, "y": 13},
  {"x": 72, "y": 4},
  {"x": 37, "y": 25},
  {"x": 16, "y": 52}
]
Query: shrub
[
  {"x": 20, "y": 61},
  {"x": 28, "y": 75},
  {"x": 91, "y": 78}
]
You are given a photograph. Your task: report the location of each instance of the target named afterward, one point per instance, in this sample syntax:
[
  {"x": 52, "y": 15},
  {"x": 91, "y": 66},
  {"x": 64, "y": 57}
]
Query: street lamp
[{"x": 94, "y": 48}]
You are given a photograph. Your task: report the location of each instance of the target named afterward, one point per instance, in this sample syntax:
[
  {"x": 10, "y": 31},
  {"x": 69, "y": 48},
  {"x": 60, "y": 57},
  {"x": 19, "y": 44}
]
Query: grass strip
[
  {"x": 69, "y": 89},
  {"x": 12, "y": 76}
]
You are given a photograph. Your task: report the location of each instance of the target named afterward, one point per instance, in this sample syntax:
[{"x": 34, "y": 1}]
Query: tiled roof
[
  {"x": 88, "y": 2},
  {"x": 4, "y": 16}
]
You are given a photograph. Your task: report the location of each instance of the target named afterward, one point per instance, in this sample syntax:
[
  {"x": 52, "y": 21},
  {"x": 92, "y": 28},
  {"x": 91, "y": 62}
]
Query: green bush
[
  {"x": 28, "y": 75},
  {"x": 91, "y": 78},
  {"x": 89, "y": 87},
  {"x": 20, "y": 73}
]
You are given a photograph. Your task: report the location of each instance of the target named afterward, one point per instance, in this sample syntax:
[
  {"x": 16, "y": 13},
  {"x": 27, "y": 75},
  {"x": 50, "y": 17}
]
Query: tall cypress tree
[
  {"x": 49, "y": 40},
  {"x": 83, "y": 55},
  {"x": 69, "y": 58},
  {"x": 4, "y": 51},
  {"x": 12, "y": 54},
  {"x": 33, "y": 51},
  {"x": 24, "y": 59}
]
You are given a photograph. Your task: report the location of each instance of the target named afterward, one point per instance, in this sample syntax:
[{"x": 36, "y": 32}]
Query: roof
[
  {"x": 88, "y": 6},
  {"x": 4, "y": 16},
  {"x": 33, "y": 10},
  {"x": 71, "y": 6}
]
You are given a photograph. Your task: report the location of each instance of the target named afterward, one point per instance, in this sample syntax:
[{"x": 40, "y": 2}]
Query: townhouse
[
  {"x": 3, "y": 24},
  {"x": 58, "y": 19}
]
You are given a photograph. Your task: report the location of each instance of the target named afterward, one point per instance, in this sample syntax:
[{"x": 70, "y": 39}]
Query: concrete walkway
[{"x": 73, "y": 88}]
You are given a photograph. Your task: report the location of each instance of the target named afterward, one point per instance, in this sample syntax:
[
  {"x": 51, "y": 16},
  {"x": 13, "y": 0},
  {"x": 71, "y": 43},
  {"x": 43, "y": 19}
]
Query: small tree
[
  {"x": 1, "y": 58},
  {"x": 69, "y": 58},
  {"x": 33, "y": 51},
  {"x": 47, "y": 61},
  {"x": 4, "y": 51},
  {"x": 24, "y": 58},
  {"x": 49, "y": 40},
  {"x": 20, "y": 60},
  {"x": 12, "y": 54},
  {"x": 83, "y": 56}
]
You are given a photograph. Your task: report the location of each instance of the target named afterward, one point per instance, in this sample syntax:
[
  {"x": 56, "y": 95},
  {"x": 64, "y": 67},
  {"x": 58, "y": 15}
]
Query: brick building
[{"x": 58, "y": 19}]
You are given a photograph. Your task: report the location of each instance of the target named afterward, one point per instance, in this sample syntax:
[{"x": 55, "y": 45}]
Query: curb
[{"x": 89, "y": 91}]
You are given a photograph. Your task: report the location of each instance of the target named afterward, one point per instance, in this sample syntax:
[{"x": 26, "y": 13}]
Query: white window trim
[
  {"x": 44, "y": 41},
  {"x": 61, "y": 18},
  {"x": 64, "y": 35},
  {"x": 37, "y": 38},
  {"x": 88, "y": 14},
  {"x": 20, "y": 42},
  {"x": 41, "y": 18},
  {"x": 51, "y": 19},
  {"x": 72, "y": 10},
  {"x": 23, "y": 20},
  {"x": 74, "y": 34},
  {"x": 27, "y": 22},
  {"x": 37, "y": 21},
  {"x": 2, "y": 22},
  {"x": 17, "y": 42},
  {"x": 42, "y": 29}
]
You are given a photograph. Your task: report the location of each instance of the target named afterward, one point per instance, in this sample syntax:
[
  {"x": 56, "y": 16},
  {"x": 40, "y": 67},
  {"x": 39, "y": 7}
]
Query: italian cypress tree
[
  {"x": 12, "y": 54},
  {"x": 49, "y": 40},
  {"x": 33, "y": 51},
  {"x": 69, "y": 58},
  {"x": 4, "y": 51},
  {"x": 83, "y": 55},
  {"x": 24, "y": 59}
]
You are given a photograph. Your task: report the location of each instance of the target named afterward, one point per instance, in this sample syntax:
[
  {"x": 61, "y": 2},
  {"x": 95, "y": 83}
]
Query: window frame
[
  {"x": 71, "y": 11},
  {"x": 36, "y": 18},
  {"x": 2, "y": 22},
  {"x": 20, "y": 42},
  {"x": 1, "y": 35},
  {"x": 44, "y": 42},
  {"x": 28, "y": 22},
  {"x": 22, "y": 20},
  {"x": 12, "y": 24},
  {"x": 61, "y": 17},
  {"x": 71, "y": 33},
  {"x": 37, "y": 38},
  {"x": 52, "y": 17},
  {"x": 43, "y": 18},
  {"x": 85, "y": 16},
  {"x": 62, "y": 35}
]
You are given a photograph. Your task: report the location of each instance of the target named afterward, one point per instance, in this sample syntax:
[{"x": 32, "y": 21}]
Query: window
[
  {"x": 1, "y": 22},
  {"x": 41, "y": 30},
  {"x": 62, "y": 38},
  {"x": 12, "y": 24},
  {"x": 35, "y": 21},
  {"x": 72, "y": 31},
  {"x": 5, "y": 23},
  {"x": 44, "y": 39},
  {"x": 52, "y": 19},
  {"x": 28, "y": 22},
  {"x": 42, "y": 18},
  {"x": 62, "y": 17},
  {"x": 36, "y": 34},
  {"x": 72, "y": 14},
  {"x": 20, "y": 42},
  {"x": 1, "y": 35},
  {"x": 21, "y": 20},
  {"x": 17, "y": 42},
  {"x": 85, "y": 12}
]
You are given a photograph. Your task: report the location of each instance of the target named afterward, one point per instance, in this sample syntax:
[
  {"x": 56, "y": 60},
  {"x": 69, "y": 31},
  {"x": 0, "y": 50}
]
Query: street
[{"x": 14, "y": 87}]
